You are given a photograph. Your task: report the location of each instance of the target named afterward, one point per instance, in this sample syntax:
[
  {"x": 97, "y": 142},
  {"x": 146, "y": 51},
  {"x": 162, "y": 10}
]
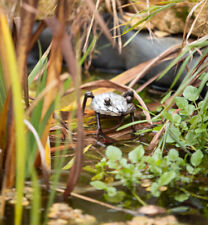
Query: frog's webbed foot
[{"x": 103, "y": 139}]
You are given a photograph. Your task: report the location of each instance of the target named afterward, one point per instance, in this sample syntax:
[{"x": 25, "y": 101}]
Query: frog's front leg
[{"x": 87, "y": 95}]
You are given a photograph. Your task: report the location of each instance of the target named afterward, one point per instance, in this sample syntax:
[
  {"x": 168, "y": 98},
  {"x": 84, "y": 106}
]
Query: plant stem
[{"x": 138, "y": 198}]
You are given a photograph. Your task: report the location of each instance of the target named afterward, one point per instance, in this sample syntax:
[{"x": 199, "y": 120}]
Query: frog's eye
[
  {"x": 129, "y": 99},
  {"x": 107, "y": 101}
]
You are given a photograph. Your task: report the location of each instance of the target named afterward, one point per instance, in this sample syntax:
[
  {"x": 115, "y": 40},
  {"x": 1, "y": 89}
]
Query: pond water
[{"x": 196, "y": 214}]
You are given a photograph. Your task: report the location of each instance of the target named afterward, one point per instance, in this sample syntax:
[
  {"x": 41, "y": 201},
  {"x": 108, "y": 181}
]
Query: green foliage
[
  {"x": 191, "y": 93},
  {"x": 113, "y": 153},
  {"x": 2, "y": 88},
  {"x": 170, "y": 171},
  {"x": 189, "y": 127},
  {"x": 186, "y": 129},
  {"x": 196, "y": 158}
]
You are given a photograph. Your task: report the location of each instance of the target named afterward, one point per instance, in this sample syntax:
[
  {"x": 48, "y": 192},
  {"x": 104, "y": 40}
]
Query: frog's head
[
  {"x": 118, "y": 105},
  {"x": 113, "y": 104}
]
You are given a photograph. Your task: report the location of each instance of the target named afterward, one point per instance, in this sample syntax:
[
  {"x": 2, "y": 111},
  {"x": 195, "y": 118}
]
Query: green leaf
[
  {"x": 99, "y": 185},
  {"x": 185, "y": 179},
  {"x": 191, "y": 93},
  {"x": 190, "y": 137},
  {"x": 176, "y": 119},
  {"x": 155, "y": 189},
  {"x": 190, "y": 109},
  {"x": 184, "y": 125},
  {"x": 168, "y": 116},
  {"x": 118, "y": 197},
  {"x": 181, "y": 102},
  {"x": 89, "y": 169},
  {"x": 203, "y": 104},
  {"x": 136, "y": 155},
  {"x": 69, "y": 164},
  {"x": 112, "y": 164},
  {"x": 111, "y": 191},
  {"x": 173, "y": 132},
  {"x": 157, "y": 155},
  {"x": 200, "y": 130},
  {"x": 113, "y": 153},
  {"x": 166, "y": 97},
  {"x": 123, "y": 162},
  {"x": 182, "y": 197},
  {"x": 101, "y": 164},
  {"x": 190, "y": 169},
  {"x": 194, "y": 120},
  {"x": 173, "y": 155},
  {"x": 98, "y": 176},
  {"x": 196, "y": 158},
  {"x": 166, "y": 178},
  {"x": 157, "y": 128}
]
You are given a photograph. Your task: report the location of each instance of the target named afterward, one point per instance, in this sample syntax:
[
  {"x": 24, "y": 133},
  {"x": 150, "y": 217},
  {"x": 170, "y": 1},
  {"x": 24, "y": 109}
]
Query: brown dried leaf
[
  {"x": 35, "y": 36},
  {"x": 3, "y": 130},
  {"x": 155, "y": 140}
]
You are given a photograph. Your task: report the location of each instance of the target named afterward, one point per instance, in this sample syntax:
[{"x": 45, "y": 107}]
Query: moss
[{"x": 182, "y": 13}]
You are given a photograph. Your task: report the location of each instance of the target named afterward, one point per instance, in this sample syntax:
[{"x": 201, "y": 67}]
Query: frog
[{"x": 111, "y": 104}]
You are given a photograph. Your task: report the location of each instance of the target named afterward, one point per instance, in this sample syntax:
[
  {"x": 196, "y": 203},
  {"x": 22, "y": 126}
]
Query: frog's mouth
[{"x": 112, "y": 113}]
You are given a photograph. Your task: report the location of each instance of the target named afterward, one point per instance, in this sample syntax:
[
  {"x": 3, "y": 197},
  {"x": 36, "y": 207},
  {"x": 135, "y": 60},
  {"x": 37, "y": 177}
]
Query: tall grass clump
[
  {"x": 26, "y": 123},
  {"x": 30, "y": 105}
]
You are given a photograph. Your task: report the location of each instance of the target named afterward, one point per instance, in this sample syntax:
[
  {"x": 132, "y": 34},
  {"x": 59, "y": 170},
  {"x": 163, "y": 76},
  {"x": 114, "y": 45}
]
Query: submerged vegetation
[{"x": 41, "y": 119}]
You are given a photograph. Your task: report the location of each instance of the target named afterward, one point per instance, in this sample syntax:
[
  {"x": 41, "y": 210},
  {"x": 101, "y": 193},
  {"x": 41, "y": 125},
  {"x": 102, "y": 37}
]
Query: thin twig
[
  {"x": 76, "y": 195},
  {"x": 90, "y": 28}
]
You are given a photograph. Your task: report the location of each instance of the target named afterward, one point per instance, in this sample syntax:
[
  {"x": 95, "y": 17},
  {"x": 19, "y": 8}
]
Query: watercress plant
[{"x": 173, "y": 169}]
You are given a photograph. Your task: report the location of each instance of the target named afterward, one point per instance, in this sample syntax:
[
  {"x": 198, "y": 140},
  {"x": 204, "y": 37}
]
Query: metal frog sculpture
[{"x": 111, "y": 104}]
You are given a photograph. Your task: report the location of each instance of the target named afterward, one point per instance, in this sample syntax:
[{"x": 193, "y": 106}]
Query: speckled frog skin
[{"x": 112, "y": 104}]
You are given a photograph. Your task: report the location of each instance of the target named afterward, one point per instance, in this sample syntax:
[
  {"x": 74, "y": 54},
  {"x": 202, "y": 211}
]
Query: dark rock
[{"x": 141, "y": 49}]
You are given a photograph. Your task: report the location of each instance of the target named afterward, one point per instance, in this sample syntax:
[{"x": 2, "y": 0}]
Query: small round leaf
[
  {"x": 196, "y": 158},
  {"x": 166, "y": 178},
  {"x": 136, "y": 155},
  {"x": 191, "y": 93},
  {"x": 99, "y": 185},
  {"x": 113, "y": 153},
  {"x": 173, "y": 155},
  {"x": 182, "y": 197}
]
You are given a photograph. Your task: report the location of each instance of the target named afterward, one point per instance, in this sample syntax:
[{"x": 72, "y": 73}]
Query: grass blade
[{"x": 10, "y": 59}]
